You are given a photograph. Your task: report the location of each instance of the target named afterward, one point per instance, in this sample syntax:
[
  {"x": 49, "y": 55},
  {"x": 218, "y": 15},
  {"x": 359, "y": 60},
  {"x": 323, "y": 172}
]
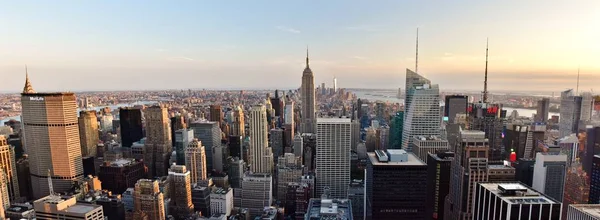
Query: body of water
[{"x": 112, "y": 107}]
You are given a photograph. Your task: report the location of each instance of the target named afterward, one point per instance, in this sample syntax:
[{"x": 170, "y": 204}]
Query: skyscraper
[
  {"x": 119, "y": 174},
  {"x": 455, "y": 104},
  {"x": 424, "y": 145},
  {"x": 237, "y": 127},
  {"x": 261, "y": 159},
  {"x": 209, "y": 134},
  {"x": 51, "y": 137},
  {"x": 216, "y": 114},
  {"x": 549, "y": 174},
  {"x": 289, "y": 112},
  {"x": 256, "y": 192},
  {"x": 148, "y": 200},
  {"x": 396, "y": 130},
  {"x": 543, "y": 109},
  {"x": 195, "y": 161},
  {"x": 587, "y": 106},
  {"x": 130, "y": 120},
  {"x": 438, "y": 183},
  {"x": 307, "y": 90},
  {"x": 333, "y": 156},
  {"x": 422, "y": 109},
  {"x": 183, "y": 137},
  {"x": 88, "y": 133},
  {"x": 158, "y": 141},
  {"x": 570, "y": 113},
  {"x": 181, "y": 192},
  {"x": 8, "y": 165}
]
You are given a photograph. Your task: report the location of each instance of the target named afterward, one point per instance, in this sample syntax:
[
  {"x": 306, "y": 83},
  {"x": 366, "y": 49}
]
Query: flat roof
[
  {"x": 334, "y": 120},
  {"x": 412, "y": 160},
  {"x": 80, "y": 208},
  {"x": 529, "y": 195},
  {"x": 590, "y": 209}
]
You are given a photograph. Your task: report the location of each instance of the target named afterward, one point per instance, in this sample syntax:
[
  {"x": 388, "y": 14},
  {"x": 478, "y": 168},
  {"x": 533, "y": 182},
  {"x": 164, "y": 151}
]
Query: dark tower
[
  {"x": 485, "y": 91},
  {"x": 131, "y": 126}
]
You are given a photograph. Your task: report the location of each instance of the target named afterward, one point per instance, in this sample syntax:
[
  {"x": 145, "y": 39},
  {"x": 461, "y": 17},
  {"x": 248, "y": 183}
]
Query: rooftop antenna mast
[
  {"x": 417, "y": 54},
  {"x": 485, "y": 91}
]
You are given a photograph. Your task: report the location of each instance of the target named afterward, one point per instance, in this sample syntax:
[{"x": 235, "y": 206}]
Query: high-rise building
[
  {"x": 66, "y": 207},
  {"x": 356, "y": 195},
  {"x": 238, "y": 125},
  {"x": 4, "y": 194},
  {"x": 195, "y": 161},
  {"x": 261, "y": 160},
  {"x": 487, "y": 118},
  {"x": 592, "y": 147},
  {"x": 289, "y": 169},
  {"x": 583, "y": 212},
  {"x": 88, "y": 133},
  {"x": 289, "y": 112},
  {"x": 333, "y": 155},
  {"x": 356, "y": 134},
  {"x": 524, "y": 171},
  {"x": 256, "y": 192},
  {"x": 8, "y": 166},
  {"x": 423, "y": 145},
  {"x": 595, "y": 181},
  {"x": 235, "y": 146},
  {"x": 130, "y": 120},
  {"x": 549, "y": 174},
  {"x": 183, "y": 137},
  {"x": 388, "y": 175},
  {"x": 158, "y": 140},
  {"x": 513, "y": 200},
  {"x": 236, "y": 171},
  {"x": 438, "y": 183},
  {"x": 181, "y": 192},
  {"x": 149, "y": 200},
  {"x": 106, "y": 123},
  {"x": 422, "y": 106},
  {"x": 201, "y": 199},
  {"x": 307, "y": 91},
  {"x": 51, "y": 138},
  {"x": 309, "y": 142},
  {"x": 587, "y": 106},
  {"x": 298, "y": 195},
  {"x": 209, "y": 134},
  {"x": 542, "y": 110},
  {"x": 298, "y": 146},
  {"x": 396, "y": 130},
  {"x": 276, "y": 141},
  {"x": 177, "y": 123},
  {"x": 468, "y": 167},
  {"x": 570, "y": 113},
  {"x": 455, "y": 104},
  {"x": 119, "y": 174},
  {"x": 221, "y": 201}
]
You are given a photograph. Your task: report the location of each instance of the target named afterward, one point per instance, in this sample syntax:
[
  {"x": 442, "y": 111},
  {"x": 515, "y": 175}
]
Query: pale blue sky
[{"x": 120, "y": 45}]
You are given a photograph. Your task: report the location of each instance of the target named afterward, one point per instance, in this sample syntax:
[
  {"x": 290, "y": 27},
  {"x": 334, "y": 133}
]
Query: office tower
[
  {"x": 130, "y": 120},
  {"x": 334, "y": 84},
  {"x": 119, "y": 174},
  {"x": 356, "y": 134},
  {"x": 276, "y": 141},
  {"x": 333, "y": 155},
  {"x": 487, "y": 118},
  {"x": 4, "y": 194},
  {"x": 66, "y": 207},
  {"x": 181, "y": 192},
  {"x": 88, "y": 133},
  {"x": 569, "y": 145},
  {"x": 221, "y": 201},
  {"x": 261, "y": 160},
  {"x": 396, "y": 124},
  {"x": 289, "y": 112},
  {"x": 543, "y": 109},
  {"x": 583, "y": 212},
  {"x": 220, "y": 154},
  {"x": 236, "y": 171},
  {"x": 106, "y": 122},
  {"x": 372, "y": 140},
  {"x": 455, "y": 104},
  {"x": 298, "y": 146},
  {"x": 307, "y": 92},
  {"x": 289, "y": 169},
  {"x": 51, "y": 137},
  {"x": 158, "y": 140},
  {"x": 201, "y": 199},
  {"x": 277, "y": 106},
  {"x": 577, "y": 187},
  {"x": 177, "y": 123},
  {"x": 24, "y": 177},
  {"x": 113, "y": 206},
  {"x": 326, "y": 208},
  {"x": 237, "y": 126},
  {"x": 235, "y": 146},
  {"x": 468, "y": 167},
  {"x": 592, "y": 147},
  {"x": 438, "y": 183},
  {"x": 183, "y": 137},
  {"x": 216, "y": 115},
  {"x": 595, "y": 181},
  {"x": 356, "y": 195},
  {"x": 570, "y": 113},
  {"x": 309, "y": 142},
  {"x": 587, "y": 106},
  {"x": 501, "y": 173},
  {"x": 209, "y": 134},
  {"x": 149, "y": 200},
  {"x": 387, "y": 174},
  {"x": 513, "y": 200},
  {"x": 423, "y": 145},
  {"x": 516, "y": 139},
  {"x": 8, "y": 166},
  {"x": 524, "y": 171},
  {"x": 549, "y": 174},
  {"x": 297, "y": 197},
  {"x": 422, "y": 116},
  {"x": 195, "y": 161},
  {"x": 256, "y": 192}
]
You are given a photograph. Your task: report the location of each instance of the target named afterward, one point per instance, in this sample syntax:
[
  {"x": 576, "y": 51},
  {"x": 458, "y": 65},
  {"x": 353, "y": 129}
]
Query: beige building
[
  {"x": 66, "y": 207},
  {"x": 237, "y": 128},
  {"x": 148, "y": 200},
  {"x": 307, "y": 90},
  {"x": 261, "y": 155},
  {"x": 158, "y": 140},
  {"x": 181, "y": 192},
  {"x": 8, "y": 165},
  {"x": 88, "y": 133},
  {"x": 51, "y": 139},
  {"x": 195, "y": 160}
]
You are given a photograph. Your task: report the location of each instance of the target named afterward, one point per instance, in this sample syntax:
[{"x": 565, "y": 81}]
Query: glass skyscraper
[{"x": 422, "y": 109}]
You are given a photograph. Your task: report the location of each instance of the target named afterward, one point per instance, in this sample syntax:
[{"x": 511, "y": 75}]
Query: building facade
[
  {"x": 423, "y": 145},
  {"x": 183, "y": 137},
  {"x": 261, "y": 159},
  {"x": 221, "y": 201},
  {"x": 308, "y": 101},
  {"x": 148, "y": 200},
  {"x": 195, "y": 161},
  {"x": 88, "y": 133},
  {"x": 333, "y": 156},
  {"x": 422, "y": 109},
  {"x": 130, "y": 120},
  {"x": 209, "y": 134},
  {"x": 158, "y": 141},
  {"x": 8, "y": 166},
  {"x": 438, "y": 183},
  {"x": 549, "y": 174},
  {"x": 181, "y": 192}
]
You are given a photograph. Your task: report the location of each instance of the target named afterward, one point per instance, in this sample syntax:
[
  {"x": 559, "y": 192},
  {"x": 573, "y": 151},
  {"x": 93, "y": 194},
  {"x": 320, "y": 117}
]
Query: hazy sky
[{"x": 120, "y": 45}]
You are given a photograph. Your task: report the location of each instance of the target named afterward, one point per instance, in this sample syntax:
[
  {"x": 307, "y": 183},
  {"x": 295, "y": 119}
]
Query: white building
[
  {"x": 549, "y": 174},
  {"x": 221, "y": 201},
  {"x": 333, "y": 155},
  {"x": 195, "y": 161},
  {"x": 583, "y": 212},
  {"x": 260, "y": 152},
  {"x": 422, "y": 109},
  {"x": 256, "y": 192}
]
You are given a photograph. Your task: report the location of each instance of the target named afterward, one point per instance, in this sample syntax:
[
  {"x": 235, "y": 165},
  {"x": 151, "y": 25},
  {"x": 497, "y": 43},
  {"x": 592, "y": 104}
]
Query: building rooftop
[
  {"x": 334, "y": 120},
  {"x": 80, "y": 208},
  {"x": 517, "y": 193},
  {"x": 408, "y": 160},
  {"x": 122, "y": 162},
  {"x": 325, "y": 209},
  {"x": 590, "y": 209}
]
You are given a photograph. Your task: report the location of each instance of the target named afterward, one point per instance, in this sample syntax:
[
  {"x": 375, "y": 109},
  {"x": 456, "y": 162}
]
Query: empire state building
[{"x": 307, "y": 90}]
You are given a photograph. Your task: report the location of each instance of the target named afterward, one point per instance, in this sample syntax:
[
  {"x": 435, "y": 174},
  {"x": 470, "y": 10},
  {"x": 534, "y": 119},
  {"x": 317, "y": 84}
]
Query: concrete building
[
  {"x": 219, "y": 155},
  {"x": 289, "y": 169},
  {"x": 423, "y": 145},
  {"x": 158, "y": 140},
  {"x": 388, "y": 172},
  {"x": 201, "y": 199},
  {"x": 288, "y": 116},
  {"x": 308, "y": 100},
  {"x": 277, "y": 142},
  {"x": 238, "y": 125},
  {"x": 298, "y": 195},
  {"x": 329, "y": 209},
  {"x": 66, "y": 207},
  {"x": 333, "y": 156},
  {"x": 128, "y": 199},
  {"x": 549, "y": 174},
  {"x": 181, "y": 192},
  {"x": 88, "y": 133},
  {"x": 51, "y": 139},
  {"x": 513, "y": 200},
  {"x": 8, "y": 166},
  {"x": 438, "y": 183},
  {"x": 587, "y": 106},
  {"x": 261, "y": 160},
  {"x": 149, "y": 200},
  {"x": 501, "y": 173},
  {"x": 195, "y": 161},
  {"x": 209, "y": 134},
  {"x": 120, "y": 174},
  {"x": 221, "y": 201},
  {"x": 584, "y": 212},
  {"x": 256, "y": 192},
  {"x": 183, "y": 137},
  {"x": 298, "y": 146}
]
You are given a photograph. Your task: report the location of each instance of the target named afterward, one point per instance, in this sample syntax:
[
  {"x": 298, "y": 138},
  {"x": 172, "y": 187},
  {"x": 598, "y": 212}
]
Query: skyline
[{"x": 140, "y": 46}]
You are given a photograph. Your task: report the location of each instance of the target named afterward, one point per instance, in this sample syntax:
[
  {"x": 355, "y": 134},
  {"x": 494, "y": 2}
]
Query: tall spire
[
  {"x": 485, "y": 91},
  {"x": 306, "y": 56},
  {"x": 27, "y": 88},
  {"x": 417, "y": 54}
]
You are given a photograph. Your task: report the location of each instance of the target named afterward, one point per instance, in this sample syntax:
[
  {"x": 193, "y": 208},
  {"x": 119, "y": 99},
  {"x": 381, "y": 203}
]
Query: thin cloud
[
  {"x": 180, "y": 58},
  {"x": 160, "y": 50},
  {"x": 359, "y": 58},
  {"x": 288, "y": 29}
]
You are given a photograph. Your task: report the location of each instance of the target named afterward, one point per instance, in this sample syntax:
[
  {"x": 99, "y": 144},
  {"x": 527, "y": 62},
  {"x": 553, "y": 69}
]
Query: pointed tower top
[
  {"x": 306, "y": 56},
  {"x": 485, "y": 91},
  {"x": 417, "y": 53},
  {"x": 27, "y": 88}
]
